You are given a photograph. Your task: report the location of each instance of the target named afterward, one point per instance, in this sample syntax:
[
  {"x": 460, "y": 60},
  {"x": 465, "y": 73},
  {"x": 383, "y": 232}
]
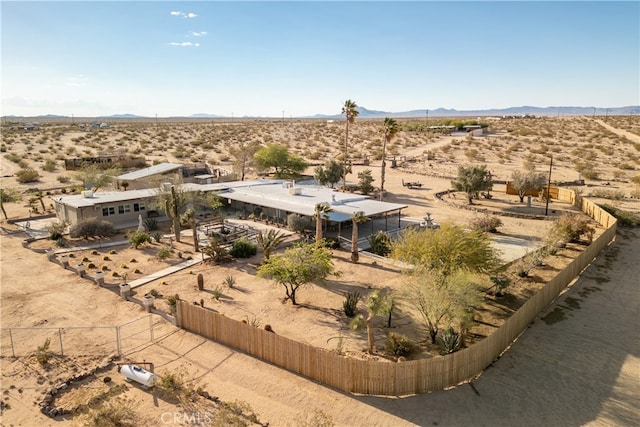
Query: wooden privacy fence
[{"x": 393, "y": 379}]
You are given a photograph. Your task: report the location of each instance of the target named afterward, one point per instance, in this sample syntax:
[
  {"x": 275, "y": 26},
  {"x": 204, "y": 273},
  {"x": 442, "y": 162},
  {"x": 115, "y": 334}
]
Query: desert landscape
[{"x": 602, "y": 152}]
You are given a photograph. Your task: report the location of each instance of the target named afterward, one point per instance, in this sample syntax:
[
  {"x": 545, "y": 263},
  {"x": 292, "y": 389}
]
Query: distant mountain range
[
  {"x": 511, "y": 111},
  {"x": 438, "y": 112}
]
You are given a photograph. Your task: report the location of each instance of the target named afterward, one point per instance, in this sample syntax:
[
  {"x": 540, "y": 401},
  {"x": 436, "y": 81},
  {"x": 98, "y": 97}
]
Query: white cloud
[
  {"x": 76, "y": 81},
  {"x": 184, "y": 15},
  {"x": 184, "y": 44},
  {"x": 198, "y": 33}
]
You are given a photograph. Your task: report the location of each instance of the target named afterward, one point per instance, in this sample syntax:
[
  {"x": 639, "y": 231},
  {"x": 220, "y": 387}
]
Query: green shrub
[
  {"x": 137, "y": 238},
  {"x": 43, "y": 355},
  {"x": 399, "y": 345},
  {"x": 151, "y": 224},
  {"x": 331, "y": 243},
  {"x": 299, "y": 223},
  {"x": 165, "y": 252},
  {"x": 243, "y": 248},
  {"x": 381, "y": 243},
  {"x": 229, "y": 281},
  {"x": 350, "y": 302},
  {"x": 91, "y": 227}
]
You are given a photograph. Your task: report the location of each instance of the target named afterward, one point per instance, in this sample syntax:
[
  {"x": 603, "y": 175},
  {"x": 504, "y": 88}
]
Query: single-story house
[{"x": 275, "y": 199}]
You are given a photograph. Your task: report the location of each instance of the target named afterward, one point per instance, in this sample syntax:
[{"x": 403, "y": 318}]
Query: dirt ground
[{"x": 567, "y": 369}]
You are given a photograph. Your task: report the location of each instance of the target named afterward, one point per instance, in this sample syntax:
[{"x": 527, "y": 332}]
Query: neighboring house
[
  {"x": 152, "y": 176},
  {"x": 104, "y": 160}
]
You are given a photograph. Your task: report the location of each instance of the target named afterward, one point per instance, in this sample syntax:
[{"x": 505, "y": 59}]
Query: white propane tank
[{"x": 139, "y": 375}]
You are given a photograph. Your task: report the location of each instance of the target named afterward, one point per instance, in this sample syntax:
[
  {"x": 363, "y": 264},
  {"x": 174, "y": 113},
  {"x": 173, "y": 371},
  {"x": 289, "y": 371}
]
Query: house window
[
  {"x": 108, "y": 211},
  {"x": 123, "y": 209},
  {"x": 138, "y": 207}
]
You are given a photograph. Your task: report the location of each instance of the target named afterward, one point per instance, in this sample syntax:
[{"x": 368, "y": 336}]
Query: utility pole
[
  {"x": 546, "y": 209},
  {"x": 427, "y": 122}
]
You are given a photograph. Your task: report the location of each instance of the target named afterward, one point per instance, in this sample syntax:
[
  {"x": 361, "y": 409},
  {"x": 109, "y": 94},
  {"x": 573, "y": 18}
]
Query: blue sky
[{"x": 262, "y": 58}]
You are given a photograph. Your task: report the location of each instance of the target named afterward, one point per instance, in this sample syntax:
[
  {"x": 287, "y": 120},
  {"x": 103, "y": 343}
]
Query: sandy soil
[{"x": 567, "y": 369}]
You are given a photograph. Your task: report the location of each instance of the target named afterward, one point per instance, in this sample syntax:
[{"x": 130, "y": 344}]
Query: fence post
[
  {"x": 13, "y": 351},
  {"x": 118, "y": 348},
  {"x": 151, "y": 327},
  {"x": 60, "y": 337},
  {"x": 178, "y": 314}
]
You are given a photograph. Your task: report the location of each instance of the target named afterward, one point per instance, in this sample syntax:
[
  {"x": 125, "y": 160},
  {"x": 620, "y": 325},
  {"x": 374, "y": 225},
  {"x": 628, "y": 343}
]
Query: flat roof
[
  {"x": 101, "y": 198},
  {"x": 278, "y": 196},
  {"x": 158, "y": 169},
  {"x": 269, "y": 193}
]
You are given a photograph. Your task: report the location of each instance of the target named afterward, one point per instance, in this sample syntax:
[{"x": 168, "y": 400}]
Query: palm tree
[
  {"x": 390, "y": 130},
  {"x": 321, "y": 212},
  {"x": 269, "y": 240},
  {"x": 349, "y": 109},
  {"x": 356, "y": 219}
]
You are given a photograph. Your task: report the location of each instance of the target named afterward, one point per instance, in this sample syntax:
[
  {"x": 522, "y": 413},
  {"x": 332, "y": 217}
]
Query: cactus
[
  {"x": 172, "y": 209},
  {"x": 200, "y": 282}
]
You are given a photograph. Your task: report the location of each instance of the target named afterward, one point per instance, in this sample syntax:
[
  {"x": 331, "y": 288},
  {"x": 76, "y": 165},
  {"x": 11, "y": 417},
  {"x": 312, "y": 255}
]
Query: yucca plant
[
  {"x": 449, "y": 341},
  {"x": 350, "y": 302}
]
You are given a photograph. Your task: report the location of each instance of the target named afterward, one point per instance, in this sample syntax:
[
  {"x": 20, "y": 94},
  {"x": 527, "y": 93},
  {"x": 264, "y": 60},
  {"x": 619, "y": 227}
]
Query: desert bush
[
  {"x": 174, "y": 385},
  {"x": 91, "y": 227},
  {"x": 399, "y": 345},
  {"x": 350, "y": 303},
  {"x": 172, "y": 300},
  {"x": 487, "y": 223},
  {"x": 625, "y": 218},
  {"x": 605, "y": 193},
  {"x": 137, "y": 238},
  {"x": 570, "y": 228},
  {"x": 216, "y": 252},
  {"x": 318, "y": 418},
  {"x": 164, "y": 252},
  {"x": 157, "y": 236},
  {"x": 63, "y": 179},
  {"x": 449, "y": 341},
  {"x": 43, "y": 355},
  {"x": 49, "y": 166},
  {"x": 111, "y": 414},
  {"x": 381, "y": 243},
  {"x": 27, "y": 175},
  {"x": 243, "y": 248},
  {"x": 501, "y": 284},
  {"x": 56, "y": 229}
]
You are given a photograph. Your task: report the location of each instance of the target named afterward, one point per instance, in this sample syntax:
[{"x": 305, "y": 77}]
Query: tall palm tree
[
  {"x": 321, "y": 212},
  {"x": 356, "y": 219},
  {"x": 390, "y": 130},
  {"x": 349, "y": 109}
]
